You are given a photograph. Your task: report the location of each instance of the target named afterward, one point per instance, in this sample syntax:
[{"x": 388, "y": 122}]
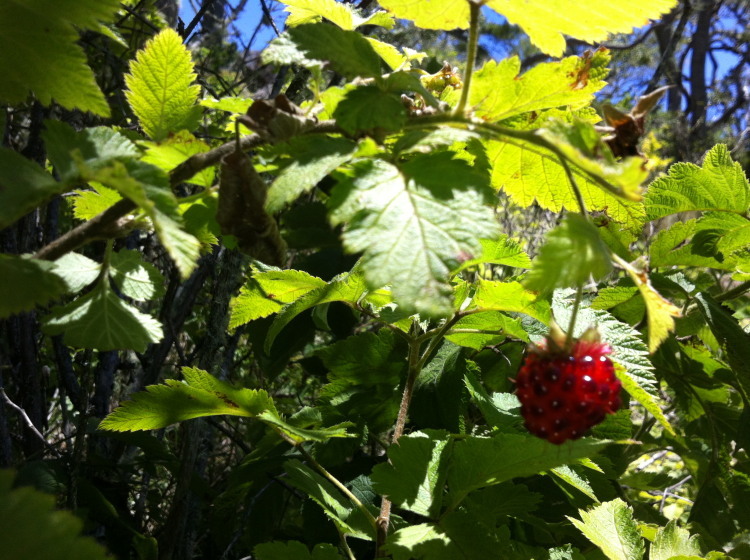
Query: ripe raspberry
[{"x": 563, "y": 392}]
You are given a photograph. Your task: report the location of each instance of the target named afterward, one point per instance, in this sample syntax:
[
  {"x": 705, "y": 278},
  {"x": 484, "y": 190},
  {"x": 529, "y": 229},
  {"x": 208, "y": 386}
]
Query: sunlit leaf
[
  {"x": 160, "y": 87},
  {"x": 611, "y": 527}
]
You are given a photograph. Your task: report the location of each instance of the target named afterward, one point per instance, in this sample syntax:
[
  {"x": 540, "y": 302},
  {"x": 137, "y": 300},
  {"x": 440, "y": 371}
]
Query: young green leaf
[
  {"x": 574, "y": 478},
  {"x": 611, "y": 527},
  {"x": 32, "y": 527},
  {"x": 414, "y": 224},
  {"x": 503, "y": 250},
  {"x": 673, "y": 541},
  {"x": 490, "y": 327},
  {"x": 346, "y": 287},
  {"x": 436, "y": 14},
  {"x": 511, "y": 297},
  {"x": 159, "y": 87},
  {"x": 719, "y": 185},
  {"x": 498, "y": 92},
  {"x": 176, "y": 149},
  {"x": 200, "y": 395},
  {"x": 415, "y": 474},
  {"x": 572, "y": 254},
  {"x": 26, "y": 282},
  {"x": 266, "y": 293},
  {"x": 89, "y": 203},
  {"x": 589, "y": 20},
  {"x": 103, "y": 321},
  {"x": 314, "y": 157},
  {"x": 48, "y": 60}
]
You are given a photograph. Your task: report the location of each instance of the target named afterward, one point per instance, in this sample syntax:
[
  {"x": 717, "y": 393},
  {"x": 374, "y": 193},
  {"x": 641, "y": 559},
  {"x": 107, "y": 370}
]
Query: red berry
[{"x": 563, "y": 392}]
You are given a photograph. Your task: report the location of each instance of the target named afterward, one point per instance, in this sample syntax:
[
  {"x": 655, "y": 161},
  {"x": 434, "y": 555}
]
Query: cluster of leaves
[{"x": 401, "y": 168}]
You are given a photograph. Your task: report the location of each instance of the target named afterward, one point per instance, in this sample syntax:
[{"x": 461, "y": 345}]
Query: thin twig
[{"x": 28, "y": 422}]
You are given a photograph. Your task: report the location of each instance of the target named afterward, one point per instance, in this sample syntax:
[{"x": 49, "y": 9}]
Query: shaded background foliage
[{"x": 197, "y": 489}]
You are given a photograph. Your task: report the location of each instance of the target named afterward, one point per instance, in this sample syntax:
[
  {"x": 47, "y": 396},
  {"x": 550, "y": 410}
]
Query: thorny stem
[
  {"x": 416, "y": 363},
  {"x": 414, "y": 368},
  {"x": 471, "y": 55}
]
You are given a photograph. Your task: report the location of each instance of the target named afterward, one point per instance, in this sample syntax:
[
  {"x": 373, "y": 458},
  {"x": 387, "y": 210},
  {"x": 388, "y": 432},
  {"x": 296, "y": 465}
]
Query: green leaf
[
  {"x": 346, "y": 287},
  {"x": 23, "y": 186},
  {"x": 528, "y": 173},
  {"x": 283, "y": 51},
  {"x": 503, "y": 250},
  {"x": 498, "y": 92},
  {"x": 719, "y": 185},
  {"x": 314, "y": 157},
  {"x": 730, "y": 335},
  {"x": 148, "y": 187},
  {"x": 175, "y": 150},
  {"x": 575, "y": 479},
  {"x": 295, "y": 550},
  {"x": 435, "y": 14},
  {"x": 673, "y": 541},
  {"x": 103, "y": 321},
  {"x": 229, "y": 104},
  {"x": 661, "y": 313},
  {"x": 71, "y": 151},
  {"x": 510, "y": 297},
  {"x": 572, "y": 254},
  {"x": 415, "y": 474},
  {"x": 365, "y": 372},
  {"x": 588, "y": 20},
  {"x": 611, "y": 527},
  {"x": 200, "y": 395},
  {"x": 339, "y": 509},
  {"x": 47, "y": 59},
  {"x": 668, "y": 248},
  {"x": 313, "y": 11},
  {"x": 347, "y": 52},
  {"x": 492, "y": 326},
  {"x": 266, "y": 293},
  {"x": 370, "y": 108},
  {"x": 77, "y": 271},
  {"x": 31, "y": 527},
  {"x": 159, "y": 87},
  {"x": 89, "y": 203},
  {"x": 483, "y": 461},
  {"x": 501, "y": 410},
  {"x": 26, "y": 283},
  {"x": 135, "y": 278},
  {"x": 415, "y": 224},
  {"x": 612, "y": 296},
  {"x": 460, "y": 535}
]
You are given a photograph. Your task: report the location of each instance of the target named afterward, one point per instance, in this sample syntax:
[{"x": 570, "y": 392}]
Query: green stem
[
  {"x": 573, "y": 317},
  {"x": 471, "y": 55},
  {"x": 737, "y": 291},
  {"x": 322, "y": 470}
]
